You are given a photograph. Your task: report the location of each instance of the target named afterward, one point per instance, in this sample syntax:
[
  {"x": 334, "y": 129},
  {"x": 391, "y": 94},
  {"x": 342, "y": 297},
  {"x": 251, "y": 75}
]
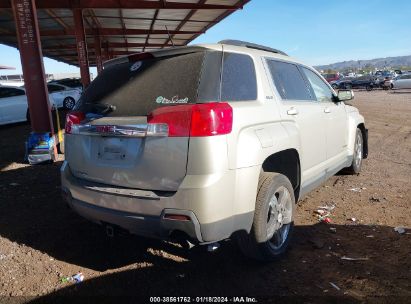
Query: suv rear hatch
[{"x": 132, "y": 125}]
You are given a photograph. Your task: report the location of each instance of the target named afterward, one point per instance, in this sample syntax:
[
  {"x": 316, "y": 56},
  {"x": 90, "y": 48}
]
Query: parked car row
[
  {"x": 63, "y": 96},
  {"x": 401, "y": 82},
  {"x": 14, "y": 106},
  {"x": 330, "y": 77},
  {"x": 369, "y": 82},
  {"x": 348, "y": 83}
]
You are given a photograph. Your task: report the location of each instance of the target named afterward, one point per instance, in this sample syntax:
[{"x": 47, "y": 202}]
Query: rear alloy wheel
[
  {"x": 273, "y": 219},
  {"x": 68, "y": 103},
  {"x": 355, "y": 167}
]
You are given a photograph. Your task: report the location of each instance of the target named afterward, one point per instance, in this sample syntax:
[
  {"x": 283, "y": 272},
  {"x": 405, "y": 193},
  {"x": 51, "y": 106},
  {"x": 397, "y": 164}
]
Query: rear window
[
  {"x": 137, "y": 88},
  {"x": 288, "y": 80}
]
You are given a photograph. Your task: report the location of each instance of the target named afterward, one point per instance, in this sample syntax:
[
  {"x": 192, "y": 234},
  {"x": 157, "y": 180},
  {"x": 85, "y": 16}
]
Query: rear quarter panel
[{"x": 257, "y": 133}]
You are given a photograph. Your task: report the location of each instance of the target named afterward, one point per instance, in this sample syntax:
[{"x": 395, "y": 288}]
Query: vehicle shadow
[
  {"x": 12, "y": 143},
  {"x": 32, "y": 213},
  {"x": 304, "y": 275},
  {"x": 400, "y": 92},
  {"x": 14, "y": 136}
]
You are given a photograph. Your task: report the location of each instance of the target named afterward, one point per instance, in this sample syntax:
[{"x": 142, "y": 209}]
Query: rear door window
[
  {"x": 72, "y": 83},
  {"x": 238, "y": 79},
  {"x": 137, "y": 88},
  {"x": 289, "y": 81},
  {"x": 54, "y": 88}
]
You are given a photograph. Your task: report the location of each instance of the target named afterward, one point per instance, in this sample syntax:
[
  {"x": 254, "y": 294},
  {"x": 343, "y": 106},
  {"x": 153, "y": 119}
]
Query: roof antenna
[{"x": 169, "y": 36}]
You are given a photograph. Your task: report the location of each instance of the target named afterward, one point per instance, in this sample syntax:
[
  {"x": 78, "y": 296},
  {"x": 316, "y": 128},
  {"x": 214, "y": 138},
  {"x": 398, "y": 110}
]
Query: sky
[{"x": 314, "y": 31}]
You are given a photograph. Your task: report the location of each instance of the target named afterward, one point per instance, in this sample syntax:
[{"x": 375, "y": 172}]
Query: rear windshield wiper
[{"x": 103, "y": 109}]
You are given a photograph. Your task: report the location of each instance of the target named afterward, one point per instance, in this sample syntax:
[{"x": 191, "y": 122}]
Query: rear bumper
[
  {"x": 208, "y": 219},
  {"x": 139, "y": 224}
]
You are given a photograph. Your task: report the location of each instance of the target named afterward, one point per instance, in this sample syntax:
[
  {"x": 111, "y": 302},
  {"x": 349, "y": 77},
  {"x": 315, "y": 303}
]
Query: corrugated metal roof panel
[{"x": 117, "y": 26}]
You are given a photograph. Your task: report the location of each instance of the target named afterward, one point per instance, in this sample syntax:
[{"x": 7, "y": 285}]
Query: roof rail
[{"x": 251, "y": 46}]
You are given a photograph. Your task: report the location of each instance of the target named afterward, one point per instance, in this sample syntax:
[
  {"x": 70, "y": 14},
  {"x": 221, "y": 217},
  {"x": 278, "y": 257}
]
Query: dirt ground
[{"x": 41, "y": 240}]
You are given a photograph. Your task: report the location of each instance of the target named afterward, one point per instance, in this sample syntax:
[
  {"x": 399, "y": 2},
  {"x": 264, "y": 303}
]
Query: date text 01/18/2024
[{"x": 203, "y": 300}]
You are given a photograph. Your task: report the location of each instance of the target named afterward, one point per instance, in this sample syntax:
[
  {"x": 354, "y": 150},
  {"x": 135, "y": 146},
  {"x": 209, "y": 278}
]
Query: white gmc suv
[{"x": 206, "y": 143}]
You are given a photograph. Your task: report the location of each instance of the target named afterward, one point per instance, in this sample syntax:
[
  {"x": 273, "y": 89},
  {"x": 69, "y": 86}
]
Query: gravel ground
[{"x": 41, "y": 240}]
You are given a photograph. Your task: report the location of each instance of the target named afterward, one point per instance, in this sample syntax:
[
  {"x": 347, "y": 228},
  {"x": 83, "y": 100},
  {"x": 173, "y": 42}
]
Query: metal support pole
[
  {"x": 106, "y": 51},
  {"x": 28, "y": 37},
  {"x": 31, "y": 58},
  {"x": 81, "y": 46},
  {"x": 99, "y": 59}
]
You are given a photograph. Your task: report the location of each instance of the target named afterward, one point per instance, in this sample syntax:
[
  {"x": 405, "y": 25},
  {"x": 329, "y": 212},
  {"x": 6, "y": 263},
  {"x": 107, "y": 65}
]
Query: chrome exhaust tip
[{"x": 213, "y": 247}]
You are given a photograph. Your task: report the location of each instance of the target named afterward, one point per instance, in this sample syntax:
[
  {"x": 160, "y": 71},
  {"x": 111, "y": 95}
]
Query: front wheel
[
  {"x": 355, "y": 167},
  {"x": 68, "y": 103},
  {"x": 273, "y": 220}
]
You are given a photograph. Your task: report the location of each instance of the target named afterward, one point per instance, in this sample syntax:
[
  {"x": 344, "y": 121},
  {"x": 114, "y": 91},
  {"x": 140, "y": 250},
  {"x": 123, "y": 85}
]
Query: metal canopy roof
[
  {"x": 4, "y": 67},
  {"x": 124, "y": 26}
]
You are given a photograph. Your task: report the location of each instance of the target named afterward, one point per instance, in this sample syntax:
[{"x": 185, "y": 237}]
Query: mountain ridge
[{"x": 379, "y": 63}]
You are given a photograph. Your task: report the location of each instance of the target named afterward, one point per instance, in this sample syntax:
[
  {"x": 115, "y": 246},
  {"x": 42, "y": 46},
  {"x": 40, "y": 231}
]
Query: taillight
[
  {"x": 176, "y": 117},
  {"x": 197, "y": 120},
  {"x": 211, "y": 119},
  {"x": 73, "y": 118}
]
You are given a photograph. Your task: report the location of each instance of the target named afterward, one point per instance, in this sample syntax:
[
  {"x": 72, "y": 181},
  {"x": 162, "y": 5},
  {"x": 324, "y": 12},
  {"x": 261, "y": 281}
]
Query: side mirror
[{"x": 345, "y": 95}]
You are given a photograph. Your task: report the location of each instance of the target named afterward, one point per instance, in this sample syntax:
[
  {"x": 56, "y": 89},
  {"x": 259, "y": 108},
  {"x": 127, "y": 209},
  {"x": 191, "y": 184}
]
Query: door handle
[
  {"x": 327, "y": 110},
  {"x": 292, "y": 111}
]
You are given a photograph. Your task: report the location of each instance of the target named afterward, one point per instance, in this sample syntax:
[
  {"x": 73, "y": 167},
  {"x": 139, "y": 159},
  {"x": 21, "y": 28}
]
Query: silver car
[{"x": 206, "y": 143}]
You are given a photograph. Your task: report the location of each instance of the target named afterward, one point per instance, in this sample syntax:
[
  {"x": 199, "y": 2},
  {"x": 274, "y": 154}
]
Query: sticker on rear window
[
  {"x": 136, "y": 66},
  {"x": 174, "y": 99}
]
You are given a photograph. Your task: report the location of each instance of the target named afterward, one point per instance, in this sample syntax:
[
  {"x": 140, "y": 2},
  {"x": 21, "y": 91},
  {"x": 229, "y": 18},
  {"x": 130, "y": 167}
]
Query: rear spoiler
[{"x": 160, "y": 53}]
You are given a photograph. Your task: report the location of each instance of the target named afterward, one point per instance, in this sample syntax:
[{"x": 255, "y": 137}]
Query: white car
[
  {"x": 402, "y": 82},
  {"x": 63, "y": 96},
  {"x": 13, "y": 105}
]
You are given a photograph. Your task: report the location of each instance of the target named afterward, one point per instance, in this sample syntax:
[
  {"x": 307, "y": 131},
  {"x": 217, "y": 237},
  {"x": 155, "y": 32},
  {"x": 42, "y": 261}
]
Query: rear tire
[
  {"x": 356, "y": 164},
  {"x": 273, "y": 221}
]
